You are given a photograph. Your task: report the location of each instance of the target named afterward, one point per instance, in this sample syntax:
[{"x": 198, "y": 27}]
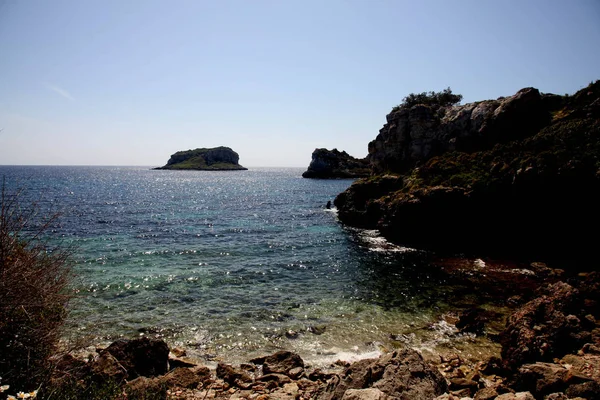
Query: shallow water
[{"x": 236, "y": 264}]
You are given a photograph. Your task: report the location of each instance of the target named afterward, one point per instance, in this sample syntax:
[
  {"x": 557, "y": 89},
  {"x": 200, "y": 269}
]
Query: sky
[{"x": 129, "y": 82}]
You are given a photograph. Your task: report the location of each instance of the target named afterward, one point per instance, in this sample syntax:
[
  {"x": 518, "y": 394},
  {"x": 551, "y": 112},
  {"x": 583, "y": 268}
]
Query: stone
[
  {"x": 107, "y": 368},
  {"x": 402, "y": 374},
  {"x": 188, "y": 378},
  {"x": 364, "y": 394},
  {"x": 140, "y": 357},
  {"x": 542, "y": 378},
  {"x": 278, "y": 379},
  {"x": 587, "y": 390},
  {"x": 516, "y": 396},
  {"x": 282, "y": 362},
  {"x": 472, "y": 321},
  {"x": 487, "y": 393},
  {"x": 232, "y": 375},
  {"x": 543, "y": 328}
]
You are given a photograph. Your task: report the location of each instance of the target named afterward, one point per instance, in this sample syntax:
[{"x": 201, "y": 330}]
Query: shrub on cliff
[
  {"x": 443, "y": 98},
  {"x": 33, "y": 279}
]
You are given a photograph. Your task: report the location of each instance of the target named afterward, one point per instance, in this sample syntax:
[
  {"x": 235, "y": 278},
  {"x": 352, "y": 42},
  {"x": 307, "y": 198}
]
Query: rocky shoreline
[{"x": 550, "y": 349}]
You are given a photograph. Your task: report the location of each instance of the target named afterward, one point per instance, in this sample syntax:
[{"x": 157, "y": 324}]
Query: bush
[
  {"x": 33, "y": 298},
  {"x": 443, "y": 98}
]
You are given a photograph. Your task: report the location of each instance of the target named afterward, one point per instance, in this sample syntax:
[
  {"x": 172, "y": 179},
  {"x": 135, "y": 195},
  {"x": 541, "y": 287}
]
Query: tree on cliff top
[{"x": 443, "y": 98}]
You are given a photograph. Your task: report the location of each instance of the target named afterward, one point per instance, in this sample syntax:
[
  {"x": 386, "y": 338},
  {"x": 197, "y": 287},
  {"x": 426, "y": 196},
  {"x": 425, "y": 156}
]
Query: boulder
[
  {"x": 140, "y": 357},
  {"x": 283, "y": 362},
  {"x": 402, "y": 374},
  {"x": 544, "y": 328},
  {"x": 232, "y": 375}
]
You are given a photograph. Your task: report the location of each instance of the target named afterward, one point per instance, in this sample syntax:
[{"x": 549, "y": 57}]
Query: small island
[{"x": 215, "y": 159}]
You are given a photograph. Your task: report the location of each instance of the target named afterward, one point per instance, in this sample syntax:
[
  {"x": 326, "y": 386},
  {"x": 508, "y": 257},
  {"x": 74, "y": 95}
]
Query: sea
[{"x": 236, "y": 264}]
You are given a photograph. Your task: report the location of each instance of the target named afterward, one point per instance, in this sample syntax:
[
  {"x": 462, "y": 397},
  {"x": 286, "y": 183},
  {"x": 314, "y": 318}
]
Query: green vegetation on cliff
[{"x": 203, "y": 159}]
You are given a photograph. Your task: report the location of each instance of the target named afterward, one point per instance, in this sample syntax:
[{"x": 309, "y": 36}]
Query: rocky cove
[
  {"x": 509, "y": 179},
  {"x": 550, "y": 349}
]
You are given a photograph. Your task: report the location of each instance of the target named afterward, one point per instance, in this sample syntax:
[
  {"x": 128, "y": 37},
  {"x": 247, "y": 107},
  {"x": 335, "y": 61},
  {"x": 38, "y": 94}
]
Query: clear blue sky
[{"x": 130, "y": 82}]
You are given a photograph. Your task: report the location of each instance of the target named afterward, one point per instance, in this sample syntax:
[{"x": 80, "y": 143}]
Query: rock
[
  {"x": 462, "y": 383},
  {"x": 488, "y": 393},
  {"x": 364, "y": 394},
  {"x": 181, "y": 362},
  {"x": 403, "y": 374},
  {"x": 140, "y": 357},
  {"x": 473, "y": 178},
  {"x": 295, "y": 373},
  {"x": 327, "y": 164},
  {"x": 289, "y": 391},
  {"x": 542, "y": 378},
  {"x": 140, "y": 387},
  {"x": 215, "y": 159},
  {"x": 516, "y": 396},
  {"x": 556, "y": 396},
  {"x": 278, "y": 379},
  {"x": 543, "y": 328},
  {"x": 472, "y": 321},
  {"x": 232, "y": 375},
  {"x": 107, "y": 368},
  {"x": 587, "y": 390},
  {"x": 186, "y": 377},
  {"x": 282, "y": 362},
  {"x": 416, "y": 134}
]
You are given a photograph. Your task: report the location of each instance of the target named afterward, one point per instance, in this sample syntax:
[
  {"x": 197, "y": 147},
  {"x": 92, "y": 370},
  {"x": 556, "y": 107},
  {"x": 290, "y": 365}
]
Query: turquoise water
[{"x": 233, "y": 264}]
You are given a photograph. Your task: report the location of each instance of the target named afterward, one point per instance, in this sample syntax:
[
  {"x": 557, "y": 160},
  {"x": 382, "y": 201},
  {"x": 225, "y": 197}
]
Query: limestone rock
[{"x": 327, "y": 164}]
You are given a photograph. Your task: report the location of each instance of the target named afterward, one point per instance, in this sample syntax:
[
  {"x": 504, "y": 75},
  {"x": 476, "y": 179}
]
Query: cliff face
[
  {"x": 518, "y": 176},
  {"x": 215, "y": 159},
  {"x": 414, "y": 135},
  {"x": 328, "y": 164}
]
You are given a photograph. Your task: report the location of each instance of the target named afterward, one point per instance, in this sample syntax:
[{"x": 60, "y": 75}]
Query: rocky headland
[
  {"x": 514, "y": 177},
  {"x": 332, "y": 164},
  {"x": 214, "y": 159}
]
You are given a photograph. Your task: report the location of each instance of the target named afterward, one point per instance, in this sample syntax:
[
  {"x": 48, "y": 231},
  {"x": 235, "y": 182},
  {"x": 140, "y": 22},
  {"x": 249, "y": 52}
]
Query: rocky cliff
[
  {"x": 515, "y": 176},
  {"x": 328, "y": 164},
  {"x": 215, "y": 159}
]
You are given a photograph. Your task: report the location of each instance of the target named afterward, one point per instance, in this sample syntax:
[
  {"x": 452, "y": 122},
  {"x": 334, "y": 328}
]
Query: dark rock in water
[
  {"x": 402, "y": 374},
  {"x": 472, "y": 321},
  {"x": 215, "y": 159},
  {"x": 141, "y": 357},
  {"x": 327, "y": 164},
  {"x": 282, "y": 362}
]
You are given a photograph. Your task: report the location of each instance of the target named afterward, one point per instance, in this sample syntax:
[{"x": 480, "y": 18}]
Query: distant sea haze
[{"x": 233, "y": 264}]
